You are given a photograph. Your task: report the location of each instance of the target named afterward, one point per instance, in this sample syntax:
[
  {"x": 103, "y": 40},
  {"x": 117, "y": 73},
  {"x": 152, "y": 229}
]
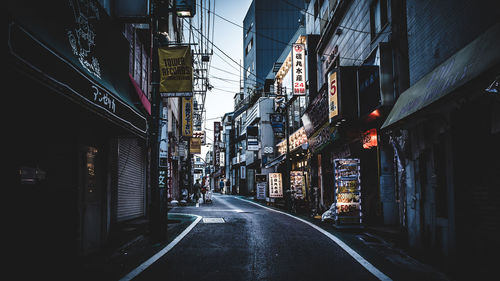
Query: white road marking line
[
  {"x": 213, "y": 220},
  {"x": 162, "y": 252},
  {"x": 372, "y": 269}
]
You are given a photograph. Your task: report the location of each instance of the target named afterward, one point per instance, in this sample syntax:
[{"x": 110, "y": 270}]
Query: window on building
[
  {"x": 137, "y": 59},
  {"x": 129, "y": 34},
  {"x": 316, "y": 9},
  {"x": 378, "y": 16},
  {"x": 249, "y": 46},
  {"x": 248, "y": 30},
  {"x": 144, "y": 72},
  {"x": 247, "y": 73}
]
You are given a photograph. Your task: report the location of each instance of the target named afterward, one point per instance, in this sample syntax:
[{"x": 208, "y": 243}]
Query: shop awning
[
  {"x": 480, "y": 55},
  {"x": 144, "y": 99},
  {"x": 81, "y": 52}
]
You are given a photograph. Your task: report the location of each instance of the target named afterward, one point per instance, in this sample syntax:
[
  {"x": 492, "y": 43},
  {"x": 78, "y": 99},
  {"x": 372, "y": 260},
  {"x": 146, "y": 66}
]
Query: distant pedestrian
[
  {"x": 197, "y": 190},
  {"x": 228, "y": 185},
  {"x": 203, "y": 192},
  {"x": 221, "y": 186}
]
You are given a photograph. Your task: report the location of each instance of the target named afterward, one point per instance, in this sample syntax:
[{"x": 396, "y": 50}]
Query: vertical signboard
[
  {"x": 176, "y": 71},
  {"x": 261, "y": 183},
  {"x": 163, "y": 151},
  {"x": 170, "y": 171},
  {"x": 297, "y": 183},
  {"x": 217, "y": 129},
  {"x": 333, "y": 97},
  {"x": 368, "y": 89},
  {"x": 162, "y": 181},
  {"x": 222, "y": 159},
  {"x": 298, "y": 69},
  {"x": 252, "y": 138},
  {"x": 187, "y": 116},
  {"x": 195, "y": 145},
  {"x": 277, "y": 125},
  {"x": 275, "y": 185}
]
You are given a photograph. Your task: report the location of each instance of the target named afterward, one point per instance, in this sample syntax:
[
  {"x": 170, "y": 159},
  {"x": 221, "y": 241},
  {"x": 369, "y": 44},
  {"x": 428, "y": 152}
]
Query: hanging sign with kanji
[
  {"x": 298, "y": 69},
  {"x": 187, "y": 117},
  {"x": 275, "y": 185}
]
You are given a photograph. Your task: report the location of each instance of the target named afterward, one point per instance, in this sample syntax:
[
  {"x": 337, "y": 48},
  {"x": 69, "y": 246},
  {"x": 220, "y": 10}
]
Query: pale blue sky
[{"x": 229, "y": 38}]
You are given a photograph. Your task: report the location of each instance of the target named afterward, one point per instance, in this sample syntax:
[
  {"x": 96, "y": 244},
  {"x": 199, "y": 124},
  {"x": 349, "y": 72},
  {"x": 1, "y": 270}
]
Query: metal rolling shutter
[{"x": 131, "y": 180}]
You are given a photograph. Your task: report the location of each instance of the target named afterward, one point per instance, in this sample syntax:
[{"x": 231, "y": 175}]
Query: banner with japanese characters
[
  {"x": 275, "y": 185},
  {"x": 298, "y": 69},
  {"x": 217, "y": 132},
  {"x": 187, "y": 117}
]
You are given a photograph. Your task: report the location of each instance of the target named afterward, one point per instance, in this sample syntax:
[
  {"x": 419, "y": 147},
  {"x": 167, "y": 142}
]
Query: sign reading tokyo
[
  {"x": 298, "y": 69},
  {"x": 176, "y": 71}
]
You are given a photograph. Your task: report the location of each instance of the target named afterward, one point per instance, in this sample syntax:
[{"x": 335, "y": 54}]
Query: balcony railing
[{"x": 250, "y": 100}]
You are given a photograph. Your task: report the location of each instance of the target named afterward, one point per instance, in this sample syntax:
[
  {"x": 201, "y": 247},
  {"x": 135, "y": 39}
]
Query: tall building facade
[{"x": 267, "y": 28}]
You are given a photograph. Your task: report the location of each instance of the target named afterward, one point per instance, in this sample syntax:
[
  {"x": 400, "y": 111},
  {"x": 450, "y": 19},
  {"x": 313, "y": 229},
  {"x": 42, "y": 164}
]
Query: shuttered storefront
[{"x": 131, "y": 180}]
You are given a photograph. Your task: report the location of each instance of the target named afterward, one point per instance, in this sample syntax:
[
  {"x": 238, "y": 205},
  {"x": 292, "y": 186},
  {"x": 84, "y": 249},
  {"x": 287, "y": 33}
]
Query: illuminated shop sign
[
  {"x": 370, "y": 139},
  {"x": 296, "y": 139},
  {"x": 333, "y": 97},
  {"x": 298, "y": 69},
  {"x": 275, "y": 185}
]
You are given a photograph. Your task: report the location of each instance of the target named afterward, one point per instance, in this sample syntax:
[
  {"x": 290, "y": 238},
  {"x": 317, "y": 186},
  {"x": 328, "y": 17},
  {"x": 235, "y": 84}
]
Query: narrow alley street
[{"x": 237, "y": 239}]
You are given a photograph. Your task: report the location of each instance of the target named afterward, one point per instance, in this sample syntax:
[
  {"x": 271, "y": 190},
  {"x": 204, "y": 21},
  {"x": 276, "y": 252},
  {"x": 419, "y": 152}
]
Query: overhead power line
[
  {"x": 241, "y": 67},
  {"x": 262, "y": 35},
  {"x": 225, "y": 79}
]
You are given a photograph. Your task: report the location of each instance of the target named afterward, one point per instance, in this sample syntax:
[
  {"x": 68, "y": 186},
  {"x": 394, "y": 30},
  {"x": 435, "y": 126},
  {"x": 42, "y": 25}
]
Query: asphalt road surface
[{"x": 252, "y": 243}]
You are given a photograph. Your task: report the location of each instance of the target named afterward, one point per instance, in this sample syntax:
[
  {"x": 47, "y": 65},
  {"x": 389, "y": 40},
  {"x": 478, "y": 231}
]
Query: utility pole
[
  {"x": 160, "y": 10},
  {"x": 287, "y": 137},
  {"x": 158, "y": 213}
]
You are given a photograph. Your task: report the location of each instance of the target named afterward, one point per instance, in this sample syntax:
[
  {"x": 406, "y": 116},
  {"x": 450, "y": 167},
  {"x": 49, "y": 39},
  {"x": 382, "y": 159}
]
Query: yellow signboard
[
  {"x": 333, "y": 97},
  {"x": 176, "y": 71},
  {"x": 187, "y": 117},
  {"x": 195, "y": 145}
]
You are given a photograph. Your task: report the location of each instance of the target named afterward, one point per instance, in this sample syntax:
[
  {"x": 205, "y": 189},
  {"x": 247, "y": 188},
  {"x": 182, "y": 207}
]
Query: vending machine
[{"x": 347, "y": 200}]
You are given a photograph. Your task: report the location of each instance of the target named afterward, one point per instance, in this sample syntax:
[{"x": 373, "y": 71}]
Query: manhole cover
[{"x": 213, "y": 220}]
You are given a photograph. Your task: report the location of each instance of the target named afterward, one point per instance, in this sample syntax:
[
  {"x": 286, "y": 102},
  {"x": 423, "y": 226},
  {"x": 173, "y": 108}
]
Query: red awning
[{"x": 144, "y": 99}]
